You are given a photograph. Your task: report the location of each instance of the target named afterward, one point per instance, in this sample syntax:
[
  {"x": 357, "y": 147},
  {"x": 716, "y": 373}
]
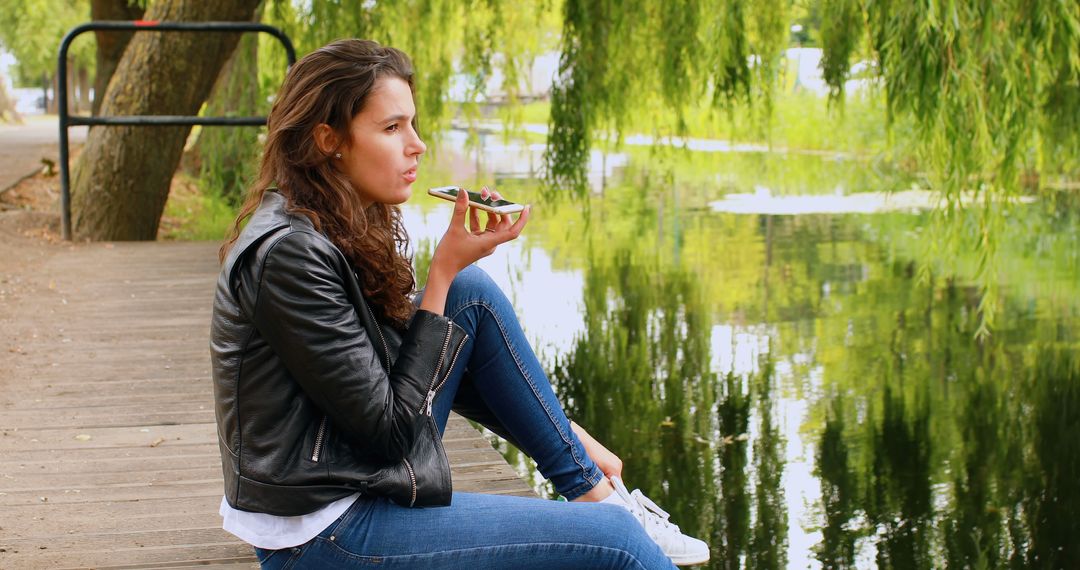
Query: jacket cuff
[{"x": 429, "y": 351}]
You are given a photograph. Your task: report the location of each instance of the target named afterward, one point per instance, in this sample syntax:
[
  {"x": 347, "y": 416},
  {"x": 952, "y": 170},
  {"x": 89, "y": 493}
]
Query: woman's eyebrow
[{"x": 395, "y": 118}]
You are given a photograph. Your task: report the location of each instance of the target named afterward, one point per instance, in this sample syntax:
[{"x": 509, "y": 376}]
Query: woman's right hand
[{"x": 461, "y": 246}]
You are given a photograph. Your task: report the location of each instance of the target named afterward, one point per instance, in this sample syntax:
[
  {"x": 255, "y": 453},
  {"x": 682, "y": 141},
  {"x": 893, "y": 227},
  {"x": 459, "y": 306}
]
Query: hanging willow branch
[
  {"x": 993, "y": 89},
  {"x": 619, "y": 60}
]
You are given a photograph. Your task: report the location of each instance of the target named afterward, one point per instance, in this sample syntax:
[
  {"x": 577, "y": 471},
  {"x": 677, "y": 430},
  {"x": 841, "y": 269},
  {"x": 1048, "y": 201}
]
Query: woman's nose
[{"x": 418, "y": 147}]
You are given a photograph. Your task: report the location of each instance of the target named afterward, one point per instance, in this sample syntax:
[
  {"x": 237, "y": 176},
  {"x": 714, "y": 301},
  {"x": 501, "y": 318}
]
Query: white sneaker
[{"x": 681, "y": 549}]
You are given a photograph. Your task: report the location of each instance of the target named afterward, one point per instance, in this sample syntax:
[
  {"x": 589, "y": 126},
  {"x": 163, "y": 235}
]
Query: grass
[
  {"x": 192, "y": 214},
  {"x": 800, "y": 121}
]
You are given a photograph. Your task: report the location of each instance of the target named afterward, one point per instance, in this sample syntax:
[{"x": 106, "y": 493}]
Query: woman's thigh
[{"x": 484, "y": 532}]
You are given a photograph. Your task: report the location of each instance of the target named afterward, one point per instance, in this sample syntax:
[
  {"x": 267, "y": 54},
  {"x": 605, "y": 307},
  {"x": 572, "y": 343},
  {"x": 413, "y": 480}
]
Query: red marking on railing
[{"x": 146, "y": 23}]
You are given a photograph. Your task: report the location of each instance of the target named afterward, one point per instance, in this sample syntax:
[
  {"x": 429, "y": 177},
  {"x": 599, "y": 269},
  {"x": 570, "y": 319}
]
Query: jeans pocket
[
  {"x": 277, "y": 559},
  {"x": 358, "y": 509}
]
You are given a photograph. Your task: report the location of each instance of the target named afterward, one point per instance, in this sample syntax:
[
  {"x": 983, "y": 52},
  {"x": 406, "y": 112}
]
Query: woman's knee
[
  {"x": 472, "y": 277},
  {"x": 617, "y": 529},
  {"x": 474, "y": 284}
]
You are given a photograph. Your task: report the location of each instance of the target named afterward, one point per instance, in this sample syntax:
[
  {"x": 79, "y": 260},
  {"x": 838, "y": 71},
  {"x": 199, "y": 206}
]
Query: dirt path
[
  {"x": 29, "y": 212},
  {"x": 24, "y": 147}
]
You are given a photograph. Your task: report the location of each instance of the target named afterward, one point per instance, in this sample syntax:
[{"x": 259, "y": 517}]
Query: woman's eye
[{"x": 392, "y": 128}]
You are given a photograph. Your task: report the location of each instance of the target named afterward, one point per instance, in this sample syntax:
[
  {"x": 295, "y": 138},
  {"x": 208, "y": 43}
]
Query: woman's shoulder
[
  {"x": 273, "y": 224},
  {"x": 295, "y": 242}
]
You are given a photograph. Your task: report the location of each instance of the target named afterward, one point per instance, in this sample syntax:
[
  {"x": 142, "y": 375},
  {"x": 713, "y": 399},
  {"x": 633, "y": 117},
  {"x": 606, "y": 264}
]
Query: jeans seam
[
  {"x": 528, "y": 380},
  {"x": 399, "y": 557}
]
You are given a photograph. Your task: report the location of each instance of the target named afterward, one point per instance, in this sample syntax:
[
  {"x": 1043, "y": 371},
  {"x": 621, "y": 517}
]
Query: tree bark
[
  {"x": 110, "y": 44},
  {"x": 84, "y": 89},
  {"x": 51, "y": 106},
  {"x": 72, "y": 89},
  {"x": 122, "y": 182}
]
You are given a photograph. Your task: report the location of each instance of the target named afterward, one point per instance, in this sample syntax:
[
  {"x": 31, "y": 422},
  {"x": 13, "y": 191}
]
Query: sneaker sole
[{"x": 688, "y": 560}]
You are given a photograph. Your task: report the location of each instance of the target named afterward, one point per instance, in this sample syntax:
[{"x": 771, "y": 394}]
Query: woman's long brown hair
[{"x": 331, "y": 85}]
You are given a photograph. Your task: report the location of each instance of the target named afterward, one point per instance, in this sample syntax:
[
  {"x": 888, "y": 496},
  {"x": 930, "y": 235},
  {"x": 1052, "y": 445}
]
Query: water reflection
[
  {"x": 790, "y": 390},
  {"x": 640, "y": 374}
]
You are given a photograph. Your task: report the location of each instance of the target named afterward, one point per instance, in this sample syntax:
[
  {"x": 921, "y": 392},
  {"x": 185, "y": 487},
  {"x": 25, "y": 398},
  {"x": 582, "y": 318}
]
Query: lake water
[{"x": 793, "y": 387}]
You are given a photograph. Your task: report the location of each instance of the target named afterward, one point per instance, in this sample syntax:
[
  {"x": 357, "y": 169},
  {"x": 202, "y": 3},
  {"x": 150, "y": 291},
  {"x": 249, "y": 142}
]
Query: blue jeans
[{"x": 478, "y": 531}]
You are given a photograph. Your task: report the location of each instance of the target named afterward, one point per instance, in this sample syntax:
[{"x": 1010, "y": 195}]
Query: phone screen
[{"x": 475, "y": 197}]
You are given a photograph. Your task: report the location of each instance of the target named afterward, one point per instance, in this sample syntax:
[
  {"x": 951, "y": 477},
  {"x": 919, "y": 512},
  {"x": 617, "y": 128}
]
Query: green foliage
[
  {"x": 840, "y": 33},
  {"x": 32, "y": 29},
  {"x": 993, "y": 89},
  {"x": 621, "y": 62},
  {"x": 980, "y": 94},
  {"x": 730, "y": 60},
  {"x": 443, "y": 37},
  {"x": 229, "y": 156},
  {"x": 195, "y": 215}
]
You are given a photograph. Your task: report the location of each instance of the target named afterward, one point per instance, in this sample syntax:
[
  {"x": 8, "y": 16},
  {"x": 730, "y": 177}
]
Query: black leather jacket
[{"x": 315, "y": 400}]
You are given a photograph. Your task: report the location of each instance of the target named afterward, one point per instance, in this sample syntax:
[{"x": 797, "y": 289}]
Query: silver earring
[{"x": 337, "y": 155}]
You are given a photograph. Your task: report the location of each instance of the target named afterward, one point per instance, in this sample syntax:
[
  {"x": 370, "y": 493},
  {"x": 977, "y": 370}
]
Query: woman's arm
[{"x": 301, "y": 309}]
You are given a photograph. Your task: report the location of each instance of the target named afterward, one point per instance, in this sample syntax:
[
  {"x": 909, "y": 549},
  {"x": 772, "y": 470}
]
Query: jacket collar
[{"x": 270, "y": 216}]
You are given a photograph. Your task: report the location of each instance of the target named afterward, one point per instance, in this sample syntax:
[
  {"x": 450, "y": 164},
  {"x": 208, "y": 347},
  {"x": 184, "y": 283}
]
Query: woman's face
[{"x": 383, "y": 151}]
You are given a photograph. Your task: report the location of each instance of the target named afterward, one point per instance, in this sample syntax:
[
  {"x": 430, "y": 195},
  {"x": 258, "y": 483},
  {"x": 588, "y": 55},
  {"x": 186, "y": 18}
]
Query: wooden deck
[{"x": 108, "y": 452}]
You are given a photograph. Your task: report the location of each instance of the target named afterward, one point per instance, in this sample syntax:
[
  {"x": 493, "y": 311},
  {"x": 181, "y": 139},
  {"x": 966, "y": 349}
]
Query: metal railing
[{"x": 67, "y": 120}]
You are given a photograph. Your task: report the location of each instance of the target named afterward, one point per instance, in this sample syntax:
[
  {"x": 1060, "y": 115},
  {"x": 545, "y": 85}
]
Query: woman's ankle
[{"x": 601, "y": 491}]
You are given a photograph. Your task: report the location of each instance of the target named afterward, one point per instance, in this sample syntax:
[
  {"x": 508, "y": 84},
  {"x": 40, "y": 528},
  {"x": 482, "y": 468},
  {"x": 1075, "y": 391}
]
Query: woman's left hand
[{"x": 607, "y": 461}]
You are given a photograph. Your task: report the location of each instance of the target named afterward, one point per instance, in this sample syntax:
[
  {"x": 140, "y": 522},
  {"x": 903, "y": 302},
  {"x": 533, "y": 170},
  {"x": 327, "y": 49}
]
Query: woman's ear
[{"x": 325, "y": 138}]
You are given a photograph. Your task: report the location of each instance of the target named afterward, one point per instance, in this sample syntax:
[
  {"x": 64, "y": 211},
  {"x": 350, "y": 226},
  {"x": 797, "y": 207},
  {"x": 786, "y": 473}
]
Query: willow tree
[
  {"x": 620, "y": 61},
  {"x": 993, "y": 88}
]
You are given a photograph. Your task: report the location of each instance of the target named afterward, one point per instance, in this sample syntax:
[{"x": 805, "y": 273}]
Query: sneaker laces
[
  {"x": 642, "y": 507},
  {"x": 659, "y": 516}
]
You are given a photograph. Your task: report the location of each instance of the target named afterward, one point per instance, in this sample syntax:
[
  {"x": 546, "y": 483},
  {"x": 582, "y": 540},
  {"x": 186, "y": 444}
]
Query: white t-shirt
[{"x": 272, "y": 532}]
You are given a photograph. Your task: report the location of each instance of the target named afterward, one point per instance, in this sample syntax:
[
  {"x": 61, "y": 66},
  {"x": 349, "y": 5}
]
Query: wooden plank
[{"x": 108, "y": 445}]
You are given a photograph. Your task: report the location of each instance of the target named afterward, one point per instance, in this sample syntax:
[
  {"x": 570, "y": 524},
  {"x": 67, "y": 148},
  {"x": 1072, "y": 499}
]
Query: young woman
[{"x": 333, "y": 384}]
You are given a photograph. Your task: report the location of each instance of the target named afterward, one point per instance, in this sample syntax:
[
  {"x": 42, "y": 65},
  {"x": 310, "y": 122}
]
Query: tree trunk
[
  {"x": 122, "y": 182},
  {"x": 110, "y": 44},
  {"x": 72, "y": 89},
  {"x": 84, "y": 89}
]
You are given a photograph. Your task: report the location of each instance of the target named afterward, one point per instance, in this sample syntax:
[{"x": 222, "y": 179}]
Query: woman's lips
[{"x": 410, "y": 175}]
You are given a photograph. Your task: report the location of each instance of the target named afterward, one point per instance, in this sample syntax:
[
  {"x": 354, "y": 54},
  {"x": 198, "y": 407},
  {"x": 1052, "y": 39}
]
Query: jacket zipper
[
  {"x": 426, "y": 406},
  {"x": 412, "y": 478},
  {"x": 319, "y": 440},
  {"x": 453, "y": 361},
  {"x": 378, "y": 328}
]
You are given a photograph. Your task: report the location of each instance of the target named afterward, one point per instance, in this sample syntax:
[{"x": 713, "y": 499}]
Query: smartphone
[{"x": 488, "y": 205}]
